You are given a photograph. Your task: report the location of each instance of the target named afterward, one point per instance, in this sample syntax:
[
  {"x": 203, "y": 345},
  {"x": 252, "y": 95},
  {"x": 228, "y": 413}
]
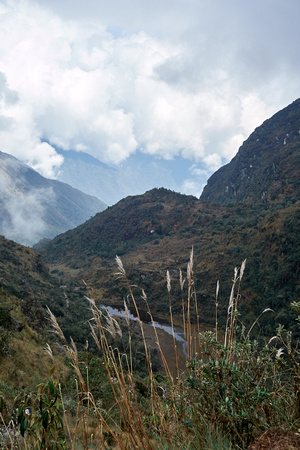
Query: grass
[{"x": 231, "y": 389}]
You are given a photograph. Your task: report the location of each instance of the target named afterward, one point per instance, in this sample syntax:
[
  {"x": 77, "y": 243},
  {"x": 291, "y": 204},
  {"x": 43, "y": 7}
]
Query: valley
[{"x": 172, "y": 250}]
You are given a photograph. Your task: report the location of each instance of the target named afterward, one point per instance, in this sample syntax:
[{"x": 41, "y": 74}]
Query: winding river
[{"x": 178, "y": 333}]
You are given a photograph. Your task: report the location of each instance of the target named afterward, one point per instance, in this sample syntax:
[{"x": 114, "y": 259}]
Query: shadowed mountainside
[
  {"x": 33, "y": 207},
  {"x": 266, "y": 167}
]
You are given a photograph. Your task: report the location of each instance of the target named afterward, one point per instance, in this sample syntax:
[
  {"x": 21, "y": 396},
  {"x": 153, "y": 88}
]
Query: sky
[{"x": 178, "y": 80}]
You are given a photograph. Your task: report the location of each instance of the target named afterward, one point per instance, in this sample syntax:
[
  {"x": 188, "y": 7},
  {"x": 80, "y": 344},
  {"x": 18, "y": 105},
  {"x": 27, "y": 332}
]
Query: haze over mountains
[
  {"x": 33, "y": 207},
  {"x": 134, "y": 176}
]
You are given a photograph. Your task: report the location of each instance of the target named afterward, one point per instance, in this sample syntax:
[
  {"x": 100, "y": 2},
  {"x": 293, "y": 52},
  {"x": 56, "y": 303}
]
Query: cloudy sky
[{"x": 183, "y": 79}]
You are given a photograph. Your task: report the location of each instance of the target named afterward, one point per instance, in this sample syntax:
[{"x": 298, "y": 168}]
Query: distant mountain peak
[{"x": 266, "y": 167}]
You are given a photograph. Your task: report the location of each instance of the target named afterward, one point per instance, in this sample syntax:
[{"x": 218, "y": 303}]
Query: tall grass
[{"x": 230, "y": 390}]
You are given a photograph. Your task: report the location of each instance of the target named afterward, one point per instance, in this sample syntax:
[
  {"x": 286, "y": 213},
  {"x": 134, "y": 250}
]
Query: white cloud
[
  {"x": 191, "y": 79},
  {"x": 213, "y": 161},
  {"x": 22, "y": 211},
  {"x": 192, "y": 187},
  {"x": 25, "y": 224}
]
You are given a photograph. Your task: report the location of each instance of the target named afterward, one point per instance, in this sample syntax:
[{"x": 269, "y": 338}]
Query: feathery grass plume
[
  {"x": 92, "y": 303},
  {"x": 231, "y": 299},
  {"x": 243, "y": 265},
  {"x": 181, "y": 280},
  {"x": 234, "y": 310},
  {"x": 122, "y": 272},
  {"x": 190, "y": 267},
  {"x": 48, "y": 350},
  {"x": 279, "y": 353},
  {"x": 56, "y": 328},
  {"x": 168, "y": 281},
  {"x": 117, "y": 327},
  {"x": 95, "y": 337},
  {"x": 192, "y": 259},
  {"x": 230, "y": 310},
  {"x": 110, "y": 326},
  {"x": 217, "y": 289},
  {"x": 73, "y": 350},
  {"x": 189, "y": 272}
]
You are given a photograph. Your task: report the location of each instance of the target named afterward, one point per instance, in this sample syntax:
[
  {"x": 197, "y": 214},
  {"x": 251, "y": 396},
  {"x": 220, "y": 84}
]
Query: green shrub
[{"x": 242, "y": 387}]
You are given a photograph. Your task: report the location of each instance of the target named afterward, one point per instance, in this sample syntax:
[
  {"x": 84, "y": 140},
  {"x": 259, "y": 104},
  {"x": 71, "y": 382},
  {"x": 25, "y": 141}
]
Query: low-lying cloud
[{"x": 21, "y": 217}]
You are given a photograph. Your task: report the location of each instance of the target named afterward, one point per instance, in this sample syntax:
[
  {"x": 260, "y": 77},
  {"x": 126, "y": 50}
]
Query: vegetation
[
  {"x": 232, "y": 389},
  {"x": 152, "y": 233},
  {"x": 120, "y": 383}
]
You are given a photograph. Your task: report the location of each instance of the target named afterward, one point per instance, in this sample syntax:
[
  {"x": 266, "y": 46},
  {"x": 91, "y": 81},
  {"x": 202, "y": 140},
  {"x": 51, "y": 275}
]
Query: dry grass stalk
[
  {"x": 217, "y": 304},
  {"x": 83, "y": 392},
  {"x": 172, "y": 324},
  {"x": 119, "y": 367}
]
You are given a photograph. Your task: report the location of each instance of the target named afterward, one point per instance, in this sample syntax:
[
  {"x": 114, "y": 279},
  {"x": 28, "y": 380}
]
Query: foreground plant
[
  {"x": 240, "y": 385},
  {"x": 39, "y": 418},
  {"x": 232, "y": 387}
]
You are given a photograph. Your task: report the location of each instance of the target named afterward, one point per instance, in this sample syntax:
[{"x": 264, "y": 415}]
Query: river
[{"x": 178, "y": 333}]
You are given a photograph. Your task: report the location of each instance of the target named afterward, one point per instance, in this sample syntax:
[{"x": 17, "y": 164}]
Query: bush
[{"x": 242, "y": 387}]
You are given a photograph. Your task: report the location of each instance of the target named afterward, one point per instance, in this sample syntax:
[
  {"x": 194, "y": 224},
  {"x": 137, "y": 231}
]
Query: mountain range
[
  {"x": 33, "y": 207},
  {"x": 249, "y": 210}
]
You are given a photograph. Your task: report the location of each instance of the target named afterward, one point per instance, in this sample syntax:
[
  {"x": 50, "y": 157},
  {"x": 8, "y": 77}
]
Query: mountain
[
  {"x": 266, "y": 167},
  {"x": 152, "y": 233},
  {"x": 155, "y": 232},
  {"x": 136, "y": 175},
  {"x": 33, "y": 207}
]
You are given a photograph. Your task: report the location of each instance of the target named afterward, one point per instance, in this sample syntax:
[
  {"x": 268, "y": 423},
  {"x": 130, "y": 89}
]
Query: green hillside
[
  {"x": 156, "y": 231},
  {"x": 26, "y": 287}
]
